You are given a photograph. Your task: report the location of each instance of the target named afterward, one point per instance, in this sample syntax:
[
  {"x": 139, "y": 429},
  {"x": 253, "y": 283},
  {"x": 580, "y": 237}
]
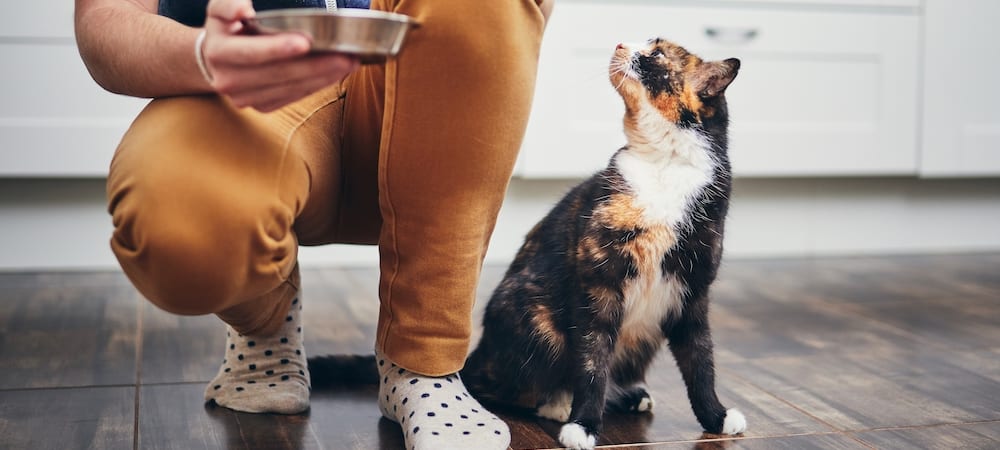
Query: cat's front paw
[
  {"x": 735, "y": 422},
  {"x": 575, "y": 436}
]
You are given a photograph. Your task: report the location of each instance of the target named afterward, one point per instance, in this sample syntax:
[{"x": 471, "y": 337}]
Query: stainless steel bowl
[{"x": 371, "y": 35}]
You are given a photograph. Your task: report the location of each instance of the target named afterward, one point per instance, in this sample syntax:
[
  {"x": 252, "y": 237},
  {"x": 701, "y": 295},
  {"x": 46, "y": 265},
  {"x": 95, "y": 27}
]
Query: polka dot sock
[
  {"x": 264, "y": 374},
  {"x": 437, "y": 412}
]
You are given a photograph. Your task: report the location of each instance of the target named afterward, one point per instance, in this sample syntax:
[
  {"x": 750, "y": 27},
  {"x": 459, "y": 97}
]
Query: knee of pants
[{"x": 201, "y": 258}]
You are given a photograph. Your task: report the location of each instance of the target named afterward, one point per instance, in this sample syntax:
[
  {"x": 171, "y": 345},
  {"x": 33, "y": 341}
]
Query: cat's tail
[{"x": 342, "y": 370}]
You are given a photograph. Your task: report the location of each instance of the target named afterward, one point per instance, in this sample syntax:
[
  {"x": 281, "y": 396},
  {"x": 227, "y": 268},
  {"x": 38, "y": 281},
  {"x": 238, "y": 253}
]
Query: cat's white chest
[{"x": 666, "y": 177}]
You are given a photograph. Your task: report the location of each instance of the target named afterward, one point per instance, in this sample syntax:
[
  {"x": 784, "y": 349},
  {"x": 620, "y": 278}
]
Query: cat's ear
[{"x": 712, "y": 78}]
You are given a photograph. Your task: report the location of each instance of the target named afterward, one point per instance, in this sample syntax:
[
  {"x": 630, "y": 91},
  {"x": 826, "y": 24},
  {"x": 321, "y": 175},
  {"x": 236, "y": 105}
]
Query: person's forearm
[{"x": 131, "y": 51}]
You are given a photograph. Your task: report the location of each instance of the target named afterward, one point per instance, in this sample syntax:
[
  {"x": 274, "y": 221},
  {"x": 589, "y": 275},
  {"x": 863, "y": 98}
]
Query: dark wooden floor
[{"x": 893, "y": 352}]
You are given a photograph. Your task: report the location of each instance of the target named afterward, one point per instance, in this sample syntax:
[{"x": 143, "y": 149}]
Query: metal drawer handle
[{"x": 731, "y": 35}]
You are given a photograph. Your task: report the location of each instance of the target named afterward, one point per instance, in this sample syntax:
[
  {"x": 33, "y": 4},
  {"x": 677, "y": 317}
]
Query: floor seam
[
  {"x": 138, "y": 375},
  {"x": 721, "y": 439},
  {"x": 934, "y": 425},
  {"x": 733, "y": 374},
  {"x": 58, "y": 388}
]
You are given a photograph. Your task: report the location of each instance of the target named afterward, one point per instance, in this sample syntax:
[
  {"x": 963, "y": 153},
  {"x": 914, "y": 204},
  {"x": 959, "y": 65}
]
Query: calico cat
[{"x": 623, "y": 262}]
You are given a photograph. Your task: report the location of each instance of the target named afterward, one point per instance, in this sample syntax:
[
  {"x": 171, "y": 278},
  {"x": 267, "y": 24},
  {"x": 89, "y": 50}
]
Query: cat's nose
[{"x": 620, "y": 46}]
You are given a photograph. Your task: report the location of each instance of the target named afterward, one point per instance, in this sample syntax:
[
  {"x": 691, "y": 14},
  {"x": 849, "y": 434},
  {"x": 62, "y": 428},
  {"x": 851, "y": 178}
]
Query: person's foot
[
  {"x": 264, "y": 374},
  {"x": 437, "y": 412}
]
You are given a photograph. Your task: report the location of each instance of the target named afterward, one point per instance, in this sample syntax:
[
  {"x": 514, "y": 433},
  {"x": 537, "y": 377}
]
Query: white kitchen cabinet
[
  {"x": 55, "y": 121},
  {"x": 826, "y": 92},
  {"x": 961, "y": 120},
  {"x": 36, "y": 19}
]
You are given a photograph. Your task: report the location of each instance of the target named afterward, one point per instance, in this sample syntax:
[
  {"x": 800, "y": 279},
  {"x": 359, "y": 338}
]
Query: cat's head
[{"x": 684, "y": 89}]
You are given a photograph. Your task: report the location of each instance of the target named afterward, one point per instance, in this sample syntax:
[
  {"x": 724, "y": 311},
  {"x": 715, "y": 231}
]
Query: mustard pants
[{"x": 210, "y": 202}]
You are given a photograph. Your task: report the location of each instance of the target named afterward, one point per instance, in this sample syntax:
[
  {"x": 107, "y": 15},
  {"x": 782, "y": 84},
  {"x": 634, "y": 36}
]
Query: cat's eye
[{"x": 656, "y": 53}]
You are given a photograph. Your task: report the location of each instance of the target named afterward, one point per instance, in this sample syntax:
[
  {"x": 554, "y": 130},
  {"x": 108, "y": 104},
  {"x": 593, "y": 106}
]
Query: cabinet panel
[
  {"x": 36, "y": 19},
  {"x": 812, "y": 98},
  {"x": 54, "y": 120},
  {"x": 961, "y": 122},
  {"x": 849, "y": 3}
]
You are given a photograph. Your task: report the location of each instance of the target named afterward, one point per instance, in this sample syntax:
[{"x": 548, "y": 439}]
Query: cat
[{"x": 623, "y": 262}]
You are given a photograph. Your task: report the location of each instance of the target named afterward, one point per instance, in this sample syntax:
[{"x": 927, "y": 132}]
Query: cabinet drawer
[{"x": 819, "y": 93}]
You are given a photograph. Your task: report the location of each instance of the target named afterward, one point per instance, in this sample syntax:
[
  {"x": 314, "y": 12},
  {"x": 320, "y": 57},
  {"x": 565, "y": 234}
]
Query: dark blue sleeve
[
  {"x": 192, "y": 12},
  {"x": 188, "y": 12},
  {"x": 359, "y": 4}
]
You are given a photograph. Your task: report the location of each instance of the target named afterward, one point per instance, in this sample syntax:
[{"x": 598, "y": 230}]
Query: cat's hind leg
[
  {"x": 557, "y": 407},
  {"x": 632, "y": 399}
]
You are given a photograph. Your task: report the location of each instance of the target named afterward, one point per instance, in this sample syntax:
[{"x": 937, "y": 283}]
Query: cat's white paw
[
  {"x": 646, "y": 404},
  {"x": 558, "y": 408},
  {"x": 735, "y": 422},
  {"x": 575, "y": 437}
]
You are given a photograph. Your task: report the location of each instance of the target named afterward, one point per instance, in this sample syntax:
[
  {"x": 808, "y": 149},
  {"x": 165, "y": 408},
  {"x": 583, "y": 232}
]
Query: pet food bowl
[{"x": 371, "y": 35}]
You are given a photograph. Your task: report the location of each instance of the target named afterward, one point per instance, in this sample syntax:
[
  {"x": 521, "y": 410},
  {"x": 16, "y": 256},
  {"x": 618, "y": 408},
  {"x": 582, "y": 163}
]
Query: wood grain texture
[
  {"x": 67, "y": 329},
  {"x": 65, "y": 419},
  {"x": 809, "y": 442},
  {"x": 175, "y": 417},
  {"x": 984, "y": 436},
  {"x": 883, "y": 352}
]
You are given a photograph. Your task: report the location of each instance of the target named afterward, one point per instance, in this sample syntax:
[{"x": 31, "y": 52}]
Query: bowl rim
[{"x": 341, "y": 12}]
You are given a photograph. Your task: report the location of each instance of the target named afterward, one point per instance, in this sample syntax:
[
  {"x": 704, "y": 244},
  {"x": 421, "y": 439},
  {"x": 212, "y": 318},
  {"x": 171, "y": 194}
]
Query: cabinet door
[
  {"x": 961, "y": 123},
  {"x": 819, "y": 93}
]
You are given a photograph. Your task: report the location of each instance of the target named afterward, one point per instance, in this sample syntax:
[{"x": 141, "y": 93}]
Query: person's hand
[{"x": 265, "y": 72}]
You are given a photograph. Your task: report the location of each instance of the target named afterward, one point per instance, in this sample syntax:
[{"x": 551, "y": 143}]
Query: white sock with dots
[
  {"x": 437, "y": 412},
  {"x": 264, "y": 374}
]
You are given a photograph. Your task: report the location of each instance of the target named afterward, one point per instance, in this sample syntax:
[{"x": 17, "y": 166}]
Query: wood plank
[
  {"x": 340, "y": 310},
  {"x": 180, "y": 348},
  {"x": 348, "y": 418},
  {"x": 985, "y": 436},
  {"x": 673, "y": 419},
  {"x": 807, "y": 327},
  {"x": 175, "y": 417},
  {"x": 64, "y": 419},
  {"x": 861, "y": 392},
  {"x": 879, "y": 304},
  {"x": 807, "y": 442},
  {"x": 67, "y": 329}
]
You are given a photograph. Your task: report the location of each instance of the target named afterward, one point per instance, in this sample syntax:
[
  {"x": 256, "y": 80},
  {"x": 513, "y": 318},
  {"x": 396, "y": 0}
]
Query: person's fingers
[
  {"x": 222, "y": 21},
  {"x": 264, "y": 71},
  {"x": 274, "y": 97},
  {"x": 254, "y": 50},
  {"x": 230, "y": 10},
  {"x": 324, "y": 65}
]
